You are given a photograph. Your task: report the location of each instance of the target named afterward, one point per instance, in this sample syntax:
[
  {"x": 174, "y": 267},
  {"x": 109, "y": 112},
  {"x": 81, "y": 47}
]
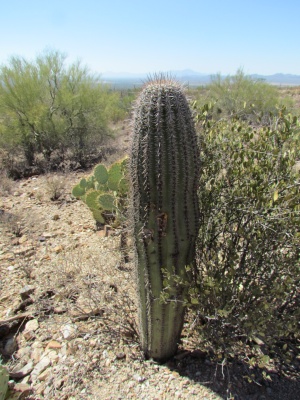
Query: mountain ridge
[{"x": 192, "y": 78}]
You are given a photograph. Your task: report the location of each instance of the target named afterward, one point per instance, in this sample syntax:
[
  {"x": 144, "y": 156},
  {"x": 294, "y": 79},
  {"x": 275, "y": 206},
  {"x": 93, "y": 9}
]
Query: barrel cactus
[{"x": 164, "y": 170}]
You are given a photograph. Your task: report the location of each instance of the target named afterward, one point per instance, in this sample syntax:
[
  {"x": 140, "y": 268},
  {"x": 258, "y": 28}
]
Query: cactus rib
[{"x": 164, "y": 171}]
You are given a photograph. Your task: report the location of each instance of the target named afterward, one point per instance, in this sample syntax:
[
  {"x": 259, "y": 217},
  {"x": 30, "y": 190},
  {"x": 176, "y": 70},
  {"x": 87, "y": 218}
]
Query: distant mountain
[
  {"x": 124, "y": 80},
  {"x": 279, "y": 79}
]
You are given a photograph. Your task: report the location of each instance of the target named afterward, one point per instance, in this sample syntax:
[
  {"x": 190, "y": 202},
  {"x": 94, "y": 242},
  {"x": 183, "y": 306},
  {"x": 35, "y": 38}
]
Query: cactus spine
[{"x": 164, "y": 171}]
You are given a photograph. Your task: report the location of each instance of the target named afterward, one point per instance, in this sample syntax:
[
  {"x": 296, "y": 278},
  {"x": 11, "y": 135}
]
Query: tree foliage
[{"x": 47, "y": 106}]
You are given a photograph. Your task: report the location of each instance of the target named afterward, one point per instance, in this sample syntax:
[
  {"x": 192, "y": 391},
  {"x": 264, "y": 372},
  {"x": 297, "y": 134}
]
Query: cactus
[
  {"x": 101, "y": 174},
  {"x": 3, "y": 382},
  {"x": 105, "y": 192},
  {"x": 164, "y": 170}
]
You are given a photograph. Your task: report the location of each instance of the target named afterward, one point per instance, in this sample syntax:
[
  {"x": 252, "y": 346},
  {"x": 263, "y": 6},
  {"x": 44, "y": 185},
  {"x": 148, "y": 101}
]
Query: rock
[
  {"x": 24, "y": 388},
  {"x": 26, "y": 291},
  {"x": 68, "y": 331},
  {"x": 56, "y": 217},
  {"x": 44, "y": 375},
  {"x": 53, "y": 344},
  {"x": 28, "y": 250},
  {"x": 40, "y": 367},
  {"x": 47, "y": 235},
  {"x": 21, "y": 373},
  {"x": 36, "y": 354},
  {"x": 120, "y": 356},
  {"x": 23, "y": 352},
  {"x": 30, "y": 328},
  {"x": 54, "y": 357},
  {"x": 32, "y": 325},
  {"x": 10, "y": 346},
  {"x": 39, "y": 389},
  {"x": 23, "y": 239},
  {"x": 8, "y": 257},
  {"x": 107, "y": 231},
  {"x": 138, "y": 378},
  {"x": 58, "y": 249}
]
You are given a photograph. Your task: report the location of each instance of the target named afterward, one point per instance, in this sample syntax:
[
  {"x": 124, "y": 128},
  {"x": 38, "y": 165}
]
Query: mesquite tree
[{"x": 164, "y": 171}]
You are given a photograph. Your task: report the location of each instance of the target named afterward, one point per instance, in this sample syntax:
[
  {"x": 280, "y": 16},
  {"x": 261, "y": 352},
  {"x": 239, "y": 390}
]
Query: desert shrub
[
  {"x": 248, "y": 254},
  {"x": 49, "y": 108},
  {"x": 242, "y": 96}
]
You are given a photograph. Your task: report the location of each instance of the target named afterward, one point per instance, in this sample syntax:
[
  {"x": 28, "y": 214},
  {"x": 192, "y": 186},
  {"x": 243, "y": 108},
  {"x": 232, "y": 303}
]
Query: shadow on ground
[{"x": 235, "y": 380}]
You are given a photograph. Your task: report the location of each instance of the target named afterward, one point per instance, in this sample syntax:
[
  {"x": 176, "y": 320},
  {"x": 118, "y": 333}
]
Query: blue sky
[{"x": 146, "y": 36}]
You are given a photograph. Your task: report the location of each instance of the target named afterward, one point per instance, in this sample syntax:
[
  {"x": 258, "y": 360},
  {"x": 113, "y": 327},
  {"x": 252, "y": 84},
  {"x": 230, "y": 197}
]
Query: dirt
[{"x": 68, "y": 312}]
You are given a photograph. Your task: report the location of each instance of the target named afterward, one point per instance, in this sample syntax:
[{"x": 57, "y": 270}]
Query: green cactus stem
[
  {"x": 4, "y": 377},
  {"x": 101, "y": 174},
  {"x": 164, "y": 170}
]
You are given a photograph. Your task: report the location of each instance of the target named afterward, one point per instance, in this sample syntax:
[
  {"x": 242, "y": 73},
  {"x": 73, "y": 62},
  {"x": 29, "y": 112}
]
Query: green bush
[
  {"x": 48, "y": 108},
  {"x": 243, "y": 97},
  {"x": 248, "y": 252}
]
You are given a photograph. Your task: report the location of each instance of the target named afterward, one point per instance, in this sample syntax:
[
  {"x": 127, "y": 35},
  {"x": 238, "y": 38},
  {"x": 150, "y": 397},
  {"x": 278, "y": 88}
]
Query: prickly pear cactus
[
  {"x": 105, "y": 192},
  {"x": 4, "y": 377},
  {"x": 164, "y": 170}
]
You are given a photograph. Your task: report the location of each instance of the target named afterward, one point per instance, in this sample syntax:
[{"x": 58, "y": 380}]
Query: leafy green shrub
[
  {"x": 248, "y": 252},
  {"x": 48, "y": 109},
  {"x": 242, "y": 96}
]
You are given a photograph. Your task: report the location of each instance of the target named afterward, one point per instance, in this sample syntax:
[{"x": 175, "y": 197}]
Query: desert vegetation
[
  {"x": 232, "y": 292},
  {"x": 54, "y": 115}
]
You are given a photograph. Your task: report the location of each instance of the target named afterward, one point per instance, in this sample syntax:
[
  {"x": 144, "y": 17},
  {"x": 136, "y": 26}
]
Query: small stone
[
  {"x": 24, "y": 388},
  {"x": 53, "y": 344},
  {"x": 23, "y": 352},
  {"x": 44, "y": 375},
  {"x": 58, "y": 249},
  {"x": 36, "y": 354},
  {"x": 23, "y": 239},
  {"x": 37, "y": 345},
  {"x": 41, "y": 239},
  {"x": 26, "y": 291},
  {"x": 54, "y": 357},
  {"x": 39, "y": 389},
  {"x": 47, "y": 235},
  {"x": 105, "y": 354},
  {"x": 30, "y": 328},
  {"x": 21, "y": 373},
  {"x": 138, "y": 378},
  {"x": 8, "y": 257},
  {"x": 68, "y": 331},
  {"x": 40, "y": 367},
  {"x": 120, "y": 356},
  {"x": 55, "y": 217}
]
